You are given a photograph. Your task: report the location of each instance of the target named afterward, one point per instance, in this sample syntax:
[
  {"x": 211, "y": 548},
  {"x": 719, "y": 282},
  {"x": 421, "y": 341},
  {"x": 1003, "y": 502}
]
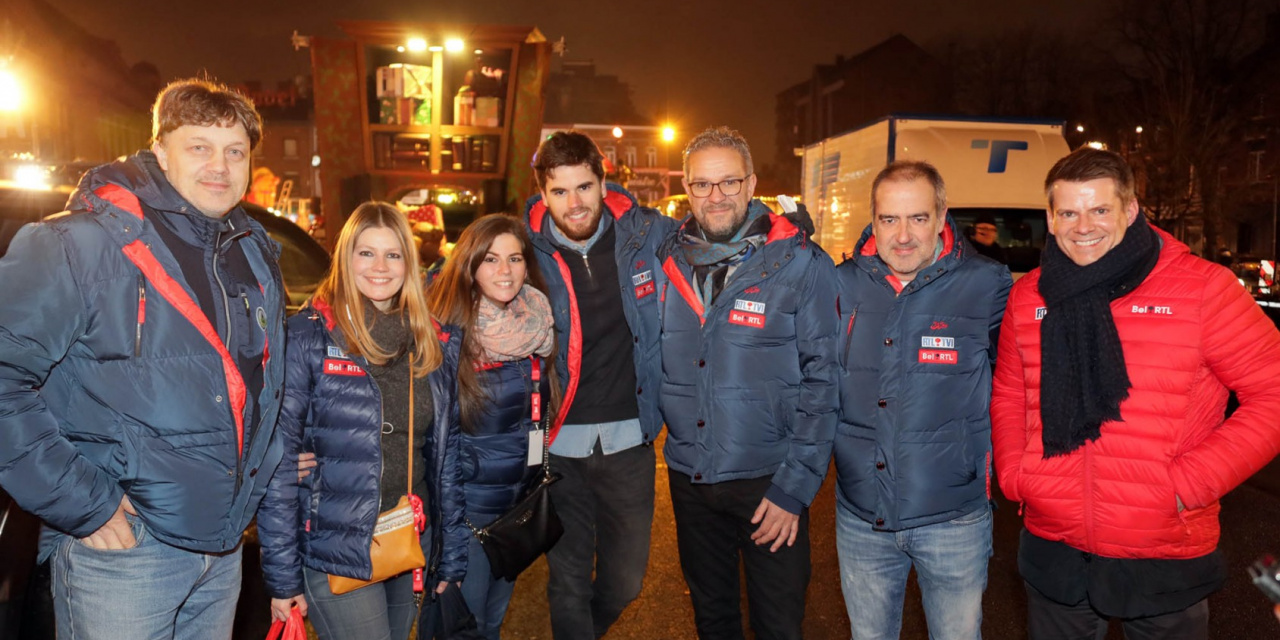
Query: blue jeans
[
  {"x": 487, "y": 597},
  {"x": 951, "y": 566},
  {"x": 380, "y": 611},
  {"x": 150, "y": 591}
]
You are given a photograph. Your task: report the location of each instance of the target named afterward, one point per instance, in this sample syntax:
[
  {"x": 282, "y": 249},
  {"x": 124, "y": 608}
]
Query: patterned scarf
[
  {"x": 514, "y": 332},
  {"x": 714, "y": 262}
]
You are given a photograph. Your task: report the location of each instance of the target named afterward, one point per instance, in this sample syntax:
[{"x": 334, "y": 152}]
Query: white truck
[{"x": 992, "y": 167}]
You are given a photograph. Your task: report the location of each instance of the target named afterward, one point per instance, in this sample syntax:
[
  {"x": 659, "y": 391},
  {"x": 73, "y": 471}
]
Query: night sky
[{"x": 697, "y": 62}]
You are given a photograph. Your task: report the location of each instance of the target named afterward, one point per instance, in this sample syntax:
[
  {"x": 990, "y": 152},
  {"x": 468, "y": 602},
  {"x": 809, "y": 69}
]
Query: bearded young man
[{"x": 596, "y": 248}]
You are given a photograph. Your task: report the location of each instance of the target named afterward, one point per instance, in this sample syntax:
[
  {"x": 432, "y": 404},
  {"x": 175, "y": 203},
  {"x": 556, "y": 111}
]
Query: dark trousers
[
  {"x": 713, "y": 529},
  {"x": 1050, "y": 620},
  {"x": 606, "y": 505}
]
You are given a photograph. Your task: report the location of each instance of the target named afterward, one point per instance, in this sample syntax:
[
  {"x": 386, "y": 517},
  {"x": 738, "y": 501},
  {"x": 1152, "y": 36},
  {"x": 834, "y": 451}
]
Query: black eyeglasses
[{"x": 730, "y": 187}]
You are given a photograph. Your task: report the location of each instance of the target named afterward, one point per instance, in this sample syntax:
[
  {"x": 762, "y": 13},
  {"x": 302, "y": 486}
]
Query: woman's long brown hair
[
  {"x": 454, "y": 298},
  {"x": 339, "y": 291}
]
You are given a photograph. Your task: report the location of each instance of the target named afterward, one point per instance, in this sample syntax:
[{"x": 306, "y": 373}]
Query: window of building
[
  {"x": 651, "y": 157},
  {"x": 631, "y": 156},
  {"x": 611, "y": 152},
  {"x": 291, "y": 147}
]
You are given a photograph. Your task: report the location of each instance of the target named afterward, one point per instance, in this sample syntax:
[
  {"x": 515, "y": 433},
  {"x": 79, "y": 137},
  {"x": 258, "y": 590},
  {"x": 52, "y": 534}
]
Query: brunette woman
[{"x": 491, "y": 288}]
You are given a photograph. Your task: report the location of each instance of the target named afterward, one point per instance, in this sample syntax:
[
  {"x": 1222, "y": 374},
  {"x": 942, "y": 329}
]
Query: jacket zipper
[
  {"x": 586, "y": 261},
  {"x": 142, "y": 316},
  {"x": 1088, "y": 497},
  {"x": 848, "y": 334}
]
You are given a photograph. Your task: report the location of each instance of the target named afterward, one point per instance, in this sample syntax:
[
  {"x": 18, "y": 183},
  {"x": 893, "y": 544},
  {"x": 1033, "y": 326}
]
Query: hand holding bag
[
  {"x": 396, "y": 547},
  {"x": 292, "y": 629},
  {"x": 530, "y": 528}
]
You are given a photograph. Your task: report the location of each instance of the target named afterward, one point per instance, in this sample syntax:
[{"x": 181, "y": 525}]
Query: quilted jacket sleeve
[
  {"x": 1009, "y": 406},
  {"x": 279, "y": 516},
  {"x": 1242, "y": 348},
  {"x": 42, "y": 316},
  {"x": 814, "y": 426},
  {"x": 456, "y": 536}
]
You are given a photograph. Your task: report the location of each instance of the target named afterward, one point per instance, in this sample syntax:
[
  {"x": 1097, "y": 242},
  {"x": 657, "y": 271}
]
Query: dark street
[{"x": 1250, "y": 518}]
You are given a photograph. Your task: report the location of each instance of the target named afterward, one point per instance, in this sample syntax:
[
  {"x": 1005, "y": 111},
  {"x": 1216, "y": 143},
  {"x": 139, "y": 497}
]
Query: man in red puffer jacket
[{"x": 1115, "y": 361}]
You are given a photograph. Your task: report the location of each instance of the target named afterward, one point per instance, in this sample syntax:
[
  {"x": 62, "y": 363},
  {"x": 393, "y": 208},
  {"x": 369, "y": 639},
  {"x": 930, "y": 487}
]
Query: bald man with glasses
[{"x": 749, "y": 393}]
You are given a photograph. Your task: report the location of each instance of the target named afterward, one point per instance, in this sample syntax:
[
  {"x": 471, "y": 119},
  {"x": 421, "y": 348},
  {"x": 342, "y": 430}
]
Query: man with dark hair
[
  {"x": 749, "y": 393},
  {"x": 597, "y": 251},
  {"x": 920, "y": 311},
  {"x": 985, "y": 236},
  {"x": 140, "y": 376},
  {"x": 1116, "y": 359}
]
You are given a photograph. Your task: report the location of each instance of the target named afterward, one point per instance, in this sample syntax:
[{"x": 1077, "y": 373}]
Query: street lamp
[
  {"x": 668, "y": 134},
  {"x": 617, "y": 132},
  {"x": 10, "y": 91}
]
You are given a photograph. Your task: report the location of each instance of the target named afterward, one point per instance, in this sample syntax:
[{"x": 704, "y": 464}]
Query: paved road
[{"x": 1250, "y": 519}]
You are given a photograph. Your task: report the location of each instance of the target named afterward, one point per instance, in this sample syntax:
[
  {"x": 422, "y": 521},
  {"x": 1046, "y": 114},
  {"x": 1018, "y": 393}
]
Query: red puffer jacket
[{"x": 1190, "y": 333}]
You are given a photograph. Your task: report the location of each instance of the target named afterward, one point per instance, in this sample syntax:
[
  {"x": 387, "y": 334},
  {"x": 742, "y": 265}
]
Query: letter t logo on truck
[{"x": 1000, "y": 149}]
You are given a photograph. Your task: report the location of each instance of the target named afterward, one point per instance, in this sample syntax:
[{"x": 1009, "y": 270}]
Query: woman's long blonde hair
[{"x": 339, "y": 291}]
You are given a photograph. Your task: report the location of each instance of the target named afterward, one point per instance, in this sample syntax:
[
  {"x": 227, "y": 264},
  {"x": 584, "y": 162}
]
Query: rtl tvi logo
[{"x": 1000, "y": 149}]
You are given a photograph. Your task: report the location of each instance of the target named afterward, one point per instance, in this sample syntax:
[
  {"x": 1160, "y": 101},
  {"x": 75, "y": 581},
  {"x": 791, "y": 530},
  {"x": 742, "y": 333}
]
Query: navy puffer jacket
[
  {"x": 326, "y": 521},
  {"x": 495, "y": 452},
  {"x": 113, "y": 381},
  {"x": 749, "y": 385},
  {"x": 914, "y": 443},
  {"x": 639, "y": 233}
]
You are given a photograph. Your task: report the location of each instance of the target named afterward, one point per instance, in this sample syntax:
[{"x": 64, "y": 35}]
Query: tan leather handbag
[{"x": 396, "y": 547}]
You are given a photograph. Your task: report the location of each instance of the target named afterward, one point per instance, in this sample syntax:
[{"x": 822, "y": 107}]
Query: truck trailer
[{"x": 992, "y": 168}]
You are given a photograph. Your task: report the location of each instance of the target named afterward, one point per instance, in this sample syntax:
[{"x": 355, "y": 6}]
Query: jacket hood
[
  {"x": 617, "y": 202},
  {"x": 141, "y": 175}
]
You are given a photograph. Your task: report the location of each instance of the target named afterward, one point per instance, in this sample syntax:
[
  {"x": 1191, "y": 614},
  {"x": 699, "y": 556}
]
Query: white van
[{"x": 992, "y": 167}]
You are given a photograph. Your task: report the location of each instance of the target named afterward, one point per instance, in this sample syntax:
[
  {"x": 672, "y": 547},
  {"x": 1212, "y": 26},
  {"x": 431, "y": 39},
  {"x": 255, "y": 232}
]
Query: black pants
[
  {"x": 606, "y": 505},
  {"x": 713, "y": 529},
  {"x": 1050, "y": 620}
]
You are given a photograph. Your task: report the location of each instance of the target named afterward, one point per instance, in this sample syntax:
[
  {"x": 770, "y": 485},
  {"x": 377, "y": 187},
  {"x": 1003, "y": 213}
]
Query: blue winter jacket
[
  {"x": 639, "y": 232},
  {"x": 114, "y": 382},
  {"x": 326, "y": 521},
  {"x": 749, "y": 385},
  {"x": 495, "y": 453},
  {"x": 914, "y": 443}
]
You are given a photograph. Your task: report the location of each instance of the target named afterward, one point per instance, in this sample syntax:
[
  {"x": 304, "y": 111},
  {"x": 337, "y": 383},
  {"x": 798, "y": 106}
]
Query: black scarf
[{"x": 1083, "y": 378}]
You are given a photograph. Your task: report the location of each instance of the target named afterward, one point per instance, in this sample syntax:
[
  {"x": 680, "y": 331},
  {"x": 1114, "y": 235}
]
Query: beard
[
  {"x": 724, "y": 232},
  {"x": 585, "y": 230}
]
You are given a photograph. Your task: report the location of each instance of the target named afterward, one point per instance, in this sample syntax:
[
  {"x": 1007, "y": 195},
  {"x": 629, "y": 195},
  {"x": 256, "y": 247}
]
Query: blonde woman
[{"x": 352, "y": 355}]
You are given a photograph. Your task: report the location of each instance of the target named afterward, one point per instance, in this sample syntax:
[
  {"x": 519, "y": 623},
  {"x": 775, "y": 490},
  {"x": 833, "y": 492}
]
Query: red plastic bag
[{"x": 291, "y": 629}]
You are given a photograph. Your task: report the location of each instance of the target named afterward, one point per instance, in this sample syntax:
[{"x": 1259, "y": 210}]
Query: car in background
[
  {"x": 20, "y": 205},
  {"x": 303, "y": 262}
]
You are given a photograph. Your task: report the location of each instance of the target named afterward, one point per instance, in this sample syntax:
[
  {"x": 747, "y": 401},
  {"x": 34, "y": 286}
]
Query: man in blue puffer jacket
[
  {"x": 596, "y": 250},
  {"x": 919, "y": 312},
  {"x": 748, "y": 392},
  {"x": 140, "y": 377}
]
